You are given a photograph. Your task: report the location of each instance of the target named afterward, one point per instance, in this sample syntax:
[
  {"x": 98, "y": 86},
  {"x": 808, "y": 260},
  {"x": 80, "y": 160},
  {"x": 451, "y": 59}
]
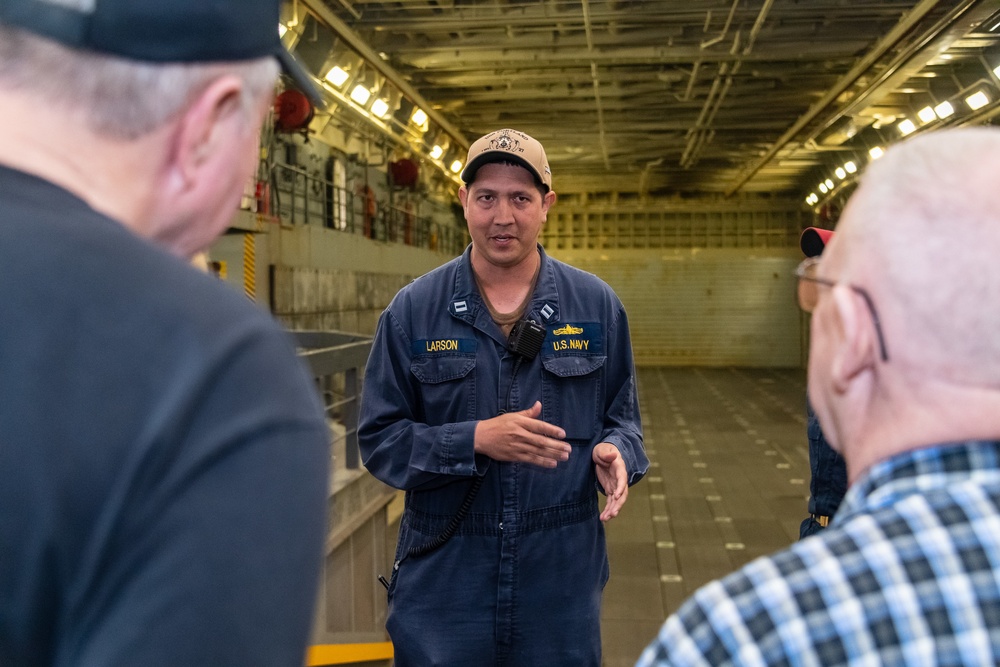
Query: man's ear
[
  {"x": 856, "y": 350},
  {"x": 463, "y": 195},
  {"x": 203, "y": 128},
  {"x": 548, "y": 200}
]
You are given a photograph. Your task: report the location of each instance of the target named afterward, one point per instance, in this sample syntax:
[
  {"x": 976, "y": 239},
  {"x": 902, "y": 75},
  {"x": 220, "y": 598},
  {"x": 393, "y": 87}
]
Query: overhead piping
[
  {"x": 725, "y": 29},
  {"x": 702, "y": 133},
  {"x": 597, "y": 86}
]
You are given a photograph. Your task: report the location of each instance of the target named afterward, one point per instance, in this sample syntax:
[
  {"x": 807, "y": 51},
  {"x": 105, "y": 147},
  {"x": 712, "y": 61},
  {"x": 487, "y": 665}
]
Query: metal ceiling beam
[
  {"x": 884, "y": 46},
  {"x": 342, "y": 30},
  {"x": 539, "y": 54},
  {"x": 541, "y": 17}
]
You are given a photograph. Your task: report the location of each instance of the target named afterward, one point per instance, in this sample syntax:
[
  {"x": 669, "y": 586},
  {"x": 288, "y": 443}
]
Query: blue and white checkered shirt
[{"x": 908, "y": 573}]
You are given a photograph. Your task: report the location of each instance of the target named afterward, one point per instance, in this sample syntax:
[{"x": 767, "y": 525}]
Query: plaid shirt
[{"x": 908, "y": 573}]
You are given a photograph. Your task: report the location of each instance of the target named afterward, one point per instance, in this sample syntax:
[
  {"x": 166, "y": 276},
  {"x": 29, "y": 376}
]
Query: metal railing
[
  {"x": 337, "y": 360},
  {"x": 299, "y": 198}
]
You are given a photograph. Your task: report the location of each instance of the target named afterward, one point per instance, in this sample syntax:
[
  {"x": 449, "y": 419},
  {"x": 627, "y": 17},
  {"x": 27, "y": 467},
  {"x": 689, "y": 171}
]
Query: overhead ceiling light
[
  {"x": 996, "y": 70},
  {"x": 456, "y": 166},
  {"x": 380, "y": 107},
  {"x": 360, "y": 94},
  {"x": 281, "y": 30},
  {"x": 906, "y": 126},
  {"x": 419, "y": 117},
  {"x": 841, "y": 174},
  {"x": 337, "y": 76},
  {"x": 850, "y": 167},
  {"x": 812, "y": 198},
  {"x": 926, "y": 115},
  {"x": 823, "y": 188},
  {"x": 944, "y": 109},
  {"x": 876, "y": 152},
  {"x": 829, "y": 184},
  {"x": 977, "y": 100},
  {"x": 436, "y": 152}
]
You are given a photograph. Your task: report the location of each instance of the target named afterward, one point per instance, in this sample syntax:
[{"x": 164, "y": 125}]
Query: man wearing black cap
[
  {"x": 163, "y": 455},
  {"x": 500, "y": 393}
]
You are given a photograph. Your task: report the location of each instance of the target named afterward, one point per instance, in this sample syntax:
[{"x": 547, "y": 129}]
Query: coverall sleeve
[
  {"x": 622, "y": 423},
  {"x": 397, "y": 447}
]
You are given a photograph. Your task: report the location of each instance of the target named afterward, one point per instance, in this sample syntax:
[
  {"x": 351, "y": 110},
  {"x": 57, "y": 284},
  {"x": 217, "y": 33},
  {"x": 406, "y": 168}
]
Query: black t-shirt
[{"x": 163, "y": 455}]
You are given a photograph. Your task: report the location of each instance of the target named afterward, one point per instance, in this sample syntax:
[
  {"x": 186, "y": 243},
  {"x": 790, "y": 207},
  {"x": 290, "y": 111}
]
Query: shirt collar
[
  {"x": 919, "y": 471},
  {"x": 544, "y": 306}
]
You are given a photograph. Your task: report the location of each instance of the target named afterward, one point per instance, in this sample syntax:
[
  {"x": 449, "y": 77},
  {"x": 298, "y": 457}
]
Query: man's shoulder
[{"x": 76, "y": 260}]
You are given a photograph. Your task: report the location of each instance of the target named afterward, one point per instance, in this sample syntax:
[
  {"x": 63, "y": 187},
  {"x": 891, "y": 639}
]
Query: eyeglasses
[{"x": 808, "y": 294}]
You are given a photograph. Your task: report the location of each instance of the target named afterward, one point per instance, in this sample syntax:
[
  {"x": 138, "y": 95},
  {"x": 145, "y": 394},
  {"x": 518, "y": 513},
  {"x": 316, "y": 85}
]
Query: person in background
[
  {"x": 828, "y": 473},
  {"x": 501, "y": 395},
  {"x": 904, "y": 374},
  {"x": 163, "y": 453}
]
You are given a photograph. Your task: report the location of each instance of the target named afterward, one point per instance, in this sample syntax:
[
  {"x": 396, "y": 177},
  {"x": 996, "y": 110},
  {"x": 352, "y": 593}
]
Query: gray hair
[{"x": 117, "y": 98}]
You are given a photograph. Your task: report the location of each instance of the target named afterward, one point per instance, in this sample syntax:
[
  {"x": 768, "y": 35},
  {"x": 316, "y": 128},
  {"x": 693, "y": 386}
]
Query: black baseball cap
[{"x": 163, "y": 31}]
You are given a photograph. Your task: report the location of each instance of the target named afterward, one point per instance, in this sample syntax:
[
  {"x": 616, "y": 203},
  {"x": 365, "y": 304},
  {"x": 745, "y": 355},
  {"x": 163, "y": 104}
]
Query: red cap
[{"x": 813, "y": 240}]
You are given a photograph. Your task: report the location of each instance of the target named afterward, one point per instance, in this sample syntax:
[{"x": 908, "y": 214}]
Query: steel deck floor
[{"x": 728, "y": 482}]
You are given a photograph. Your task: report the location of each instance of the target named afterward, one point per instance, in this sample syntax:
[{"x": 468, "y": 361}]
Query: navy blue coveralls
[{"x": 520, "y": 581}]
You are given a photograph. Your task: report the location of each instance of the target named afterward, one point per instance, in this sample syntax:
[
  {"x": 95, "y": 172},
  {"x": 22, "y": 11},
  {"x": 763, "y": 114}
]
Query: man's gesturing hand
[
  {"x": 613, "y": 477},
  {"x": 523, "y": 437}
]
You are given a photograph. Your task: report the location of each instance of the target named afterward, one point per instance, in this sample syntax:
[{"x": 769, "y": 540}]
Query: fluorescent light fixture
[
  {"x": 926, "y": 115},
  {"x": 977, "y": 100},
  {"x": 829, "y": 184},
  {"x": 281, "y": 30},
  {"x": 906, "y": 126},
  {"x": 380, "y": 108},
  {"x": 996, "y": 70},
  {"x": 850, "y": 167},
  {"x": 876, "y": 152},
  {"x": 336, "y": 76},
  {"x": 360, "y": 94},
  {"x": 419, "y": 117},
  {"x": 812, "y": 198},
  {"x": 841, "y": 174},
  {"x": 944, "y": 109},
  {"x": 456, "y": 166},
  {"x": 436, "y": 152},
  {"x": 823, "y": 188}
]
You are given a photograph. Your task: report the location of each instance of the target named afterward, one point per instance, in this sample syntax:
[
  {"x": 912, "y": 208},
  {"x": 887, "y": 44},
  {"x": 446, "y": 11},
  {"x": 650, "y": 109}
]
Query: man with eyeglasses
[{"x": 904, "y": 373}]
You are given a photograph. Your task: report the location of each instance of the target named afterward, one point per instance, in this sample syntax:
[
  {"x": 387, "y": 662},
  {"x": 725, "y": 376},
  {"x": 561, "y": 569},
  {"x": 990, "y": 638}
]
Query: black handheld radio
[{"x": 526, "y": 338}]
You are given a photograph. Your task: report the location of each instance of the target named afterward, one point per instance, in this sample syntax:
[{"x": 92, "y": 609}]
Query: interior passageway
[{"x": 728, "y": 482}]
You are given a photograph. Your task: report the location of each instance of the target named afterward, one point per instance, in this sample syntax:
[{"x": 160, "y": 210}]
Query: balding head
[
  {"x": 916, "y": 250},
  {"x": 922, "y": 235}
]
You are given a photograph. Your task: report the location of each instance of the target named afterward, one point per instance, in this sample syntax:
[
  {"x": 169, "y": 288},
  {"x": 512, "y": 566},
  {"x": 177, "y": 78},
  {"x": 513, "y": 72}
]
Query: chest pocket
[
  {"x": 571, "y": 395},
  {"x": 447, "y": 387}
]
